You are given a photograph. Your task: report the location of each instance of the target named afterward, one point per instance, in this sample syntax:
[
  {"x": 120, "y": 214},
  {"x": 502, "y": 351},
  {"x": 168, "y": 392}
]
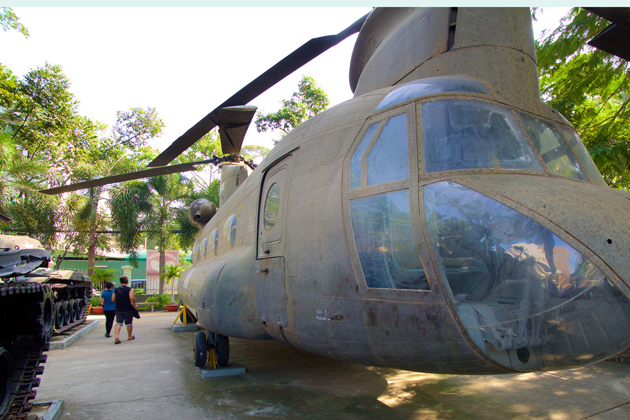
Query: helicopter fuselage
[
  {"x": 443, "y": 220},
  {"x": 379, "y": 239}
]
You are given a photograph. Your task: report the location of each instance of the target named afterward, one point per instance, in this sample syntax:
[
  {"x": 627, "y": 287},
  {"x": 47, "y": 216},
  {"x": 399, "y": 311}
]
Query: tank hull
[{"x": 35, "y": 304}]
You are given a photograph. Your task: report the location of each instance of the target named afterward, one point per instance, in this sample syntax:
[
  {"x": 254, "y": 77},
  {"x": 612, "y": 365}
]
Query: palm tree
[
  {"x": 105, "y": 156},
  {"x": 101, "y": 164},
  {"x": 149, "y": 207},
  {"x": 101, "y": 275},
  {"x": 170, "y": 273}
]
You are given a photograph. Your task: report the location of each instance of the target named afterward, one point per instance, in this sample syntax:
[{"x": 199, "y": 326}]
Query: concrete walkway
[{"x": 153, "y": 377}]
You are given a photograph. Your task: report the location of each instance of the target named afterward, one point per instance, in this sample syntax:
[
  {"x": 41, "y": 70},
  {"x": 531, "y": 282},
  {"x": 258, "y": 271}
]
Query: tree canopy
[
  {"x": 150, "y": 206},
  {"x": 8, "y": 21},
  {"x": 46, "y": 143},
  {"x": 308, "y": 101},
  {"x": 591, "y": 88},
  {"x": 41, "y": 133},
  {"x": 254, "y": 151}
]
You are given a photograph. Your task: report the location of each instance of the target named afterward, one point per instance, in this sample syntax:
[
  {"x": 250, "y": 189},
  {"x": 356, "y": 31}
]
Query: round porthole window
[
  {"x": 215, "y": 241},
  {"x": 229, "y": 230},
  {"x": 272, "y": 207}
]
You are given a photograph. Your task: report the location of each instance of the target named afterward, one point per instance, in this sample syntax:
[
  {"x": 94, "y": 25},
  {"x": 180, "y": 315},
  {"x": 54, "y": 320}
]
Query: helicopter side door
[{"x": 270, "y": 271}]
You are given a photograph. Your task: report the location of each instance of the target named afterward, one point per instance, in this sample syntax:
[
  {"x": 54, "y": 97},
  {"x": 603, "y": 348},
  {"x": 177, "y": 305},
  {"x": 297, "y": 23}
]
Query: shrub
[
  {"x": 95, "y": 301},
  {"x": 161, "y": 299}
]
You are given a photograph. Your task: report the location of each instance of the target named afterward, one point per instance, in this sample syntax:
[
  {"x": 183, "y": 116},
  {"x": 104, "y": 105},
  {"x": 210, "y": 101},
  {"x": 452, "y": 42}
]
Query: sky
[{"x": 184, "y": 62}]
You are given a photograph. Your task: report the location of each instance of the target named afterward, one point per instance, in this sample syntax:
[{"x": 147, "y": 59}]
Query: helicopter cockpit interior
[{"x": 524, "y": 295}]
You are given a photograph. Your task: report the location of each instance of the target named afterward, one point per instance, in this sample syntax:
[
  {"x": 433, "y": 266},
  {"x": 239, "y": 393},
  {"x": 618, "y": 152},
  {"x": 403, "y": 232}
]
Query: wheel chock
[{"x": 187, "y": 318}]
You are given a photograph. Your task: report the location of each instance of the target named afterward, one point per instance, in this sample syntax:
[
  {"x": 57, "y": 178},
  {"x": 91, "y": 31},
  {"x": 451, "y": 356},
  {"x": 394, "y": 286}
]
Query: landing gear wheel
[
  {"x": 6, "y": 380},
  {"x": 60, "y": 315},
  {"x": 201, "y": 349},
  {"x": 223, "y": 350}
]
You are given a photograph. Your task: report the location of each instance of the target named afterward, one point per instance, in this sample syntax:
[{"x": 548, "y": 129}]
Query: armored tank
[
  {"x": 71, "y": 292},
  {"x": 35, "y": 303}
]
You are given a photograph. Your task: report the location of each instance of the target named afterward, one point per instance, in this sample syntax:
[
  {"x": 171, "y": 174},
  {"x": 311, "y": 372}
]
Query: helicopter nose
[
  {"x": 595, "y": 216},
  {"x": 536, "y": 266}
]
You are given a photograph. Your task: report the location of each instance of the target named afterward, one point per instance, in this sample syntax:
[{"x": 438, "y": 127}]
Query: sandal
[
  {"x": 117, "y": 342},
  {"x": 132, "y": 338}
]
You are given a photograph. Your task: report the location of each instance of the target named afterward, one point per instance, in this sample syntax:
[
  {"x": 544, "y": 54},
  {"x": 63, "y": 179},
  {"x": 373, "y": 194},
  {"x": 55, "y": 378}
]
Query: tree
[
  {"x": 135, "y": 127},
  {"x": 71, "y": 223},
  {"x": 40, "y": 131},
  {"x": 45, "y": 143},
  {"x": 8, "y": 21},
  {"x": 44, "y": 116},
  {"x": 128, "y": 203},
  {"x": 150, "y": 207},
  {"x": 32, "y": 213},
  {"x": 308, "y": 101},
  {"x": 254, "y": 151},
  {"x": 206, "y": 147},
  {"x": 100, "y": 275},
  {"x": 591, "y": 88},
  {"x": 187, "y": 232},
  {"x": 170, "y": 273},
  {"x": 199, "y": 187},
  {"x": 123, "y": 152}
]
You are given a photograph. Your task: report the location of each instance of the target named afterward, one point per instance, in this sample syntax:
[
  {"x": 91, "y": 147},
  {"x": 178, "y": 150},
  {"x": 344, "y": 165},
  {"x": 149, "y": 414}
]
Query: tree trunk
[
  {"x": 91, "y": 252},
  {"x": 61, "y": 258},
  {"x": 162, "y": 265}
]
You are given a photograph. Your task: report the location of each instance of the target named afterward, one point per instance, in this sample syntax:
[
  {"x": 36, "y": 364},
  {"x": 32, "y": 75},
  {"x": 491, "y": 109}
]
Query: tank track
[
  {"x": 27, "y": 325},
  {"x": 70, "y": 305},
  {"x": 80, "y": 318}
]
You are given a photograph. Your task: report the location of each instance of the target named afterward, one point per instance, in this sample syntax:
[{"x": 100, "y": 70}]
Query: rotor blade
[
  {"x": 279, "y": 71},
  {"x": 618, "y": 15},
  {"x": 233, "y": 123},
  {"x": 615, "y": 39},
  {"x": 164, "y": 170}
]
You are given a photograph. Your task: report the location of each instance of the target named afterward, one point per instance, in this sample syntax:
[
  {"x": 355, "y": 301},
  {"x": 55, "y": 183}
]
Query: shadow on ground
[{"x": 153, "y": 377}]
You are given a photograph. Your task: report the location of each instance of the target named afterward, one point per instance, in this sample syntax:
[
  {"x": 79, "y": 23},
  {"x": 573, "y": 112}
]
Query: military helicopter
[{"x": 443, "y": 220}]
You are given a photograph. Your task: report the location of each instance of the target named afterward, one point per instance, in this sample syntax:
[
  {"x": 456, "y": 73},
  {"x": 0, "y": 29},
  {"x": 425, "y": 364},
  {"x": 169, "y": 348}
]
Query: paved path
[{"x": 153, "y": 377}]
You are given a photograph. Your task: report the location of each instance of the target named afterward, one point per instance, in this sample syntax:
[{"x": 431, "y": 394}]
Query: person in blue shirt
[{"x": 109, "y": 307}]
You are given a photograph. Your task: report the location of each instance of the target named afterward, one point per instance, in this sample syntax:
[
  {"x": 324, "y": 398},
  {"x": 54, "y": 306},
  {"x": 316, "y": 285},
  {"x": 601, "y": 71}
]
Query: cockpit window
[
  {"x": 429, "y": 86},
  {"x": 387, "y": 158},
  {"x": 387, "y": 250},
  {"x": 527, "y": 298},
  {"x": 582, "y": 154},
  {"x": 387, "y": 161},
  {"x": 464, "y": 134},
  {"x": 554, "y": 151},
  {"x": 355, "y": 163}
]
